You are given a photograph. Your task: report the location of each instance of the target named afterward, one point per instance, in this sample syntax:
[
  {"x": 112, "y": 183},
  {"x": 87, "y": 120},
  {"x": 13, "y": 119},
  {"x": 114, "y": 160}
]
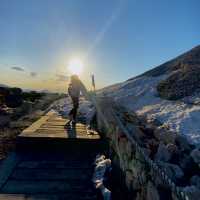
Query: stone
[
  {"x": 136, "y": 184},
  {"x": 152, "y": 192},
  {"x": 4, "y": 121},
  {"x": 174, "y": 152},
  {"x": 130, "y": 149},
  {"x": 192, "y": 192},
  {"x": 122, "y": 145},
  {"x": 129, "y": 178},
  {"x": 162, "y": 153},
  {"x": 172, "y": 148},
  {"x": 173, "y": 171},
  {"x": 146, "y": 151},
  {"x": 164, "y": 135},
  {"x": 195, "y": 154},
  {"x": 183, "y": 143},
  {"x": 143, "y": 178},
  {"x": 148, "y": 131},
  {"x": 154, "y": 121},
  {"x": 130, "y": 117},
  {"x": 152, "y": 146},
  {"x": 141, "y": 195},
  {"x": 195, "y": 180},
  {"x": 137, "y": 133},
  {"x": 137, "y": 169},
  {"x": 187, "y": 164}
]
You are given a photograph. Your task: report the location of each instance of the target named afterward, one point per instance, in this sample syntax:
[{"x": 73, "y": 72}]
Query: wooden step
[
  {"x": 72, "y": 196},
  {"x": 51, "y": 162},
  {"x": 52, "y": 174},
  {"x": 45, "y": 186}
]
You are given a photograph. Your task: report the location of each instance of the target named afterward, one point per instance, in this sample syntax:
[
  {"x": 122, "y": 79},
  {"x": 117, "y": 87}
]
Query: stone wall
[{"x": 153, "y": 161}]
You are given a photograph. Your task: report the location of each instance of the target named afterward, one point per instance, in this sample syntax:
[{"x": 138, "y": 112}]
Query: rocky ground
[{"x": 171, "y": 152}]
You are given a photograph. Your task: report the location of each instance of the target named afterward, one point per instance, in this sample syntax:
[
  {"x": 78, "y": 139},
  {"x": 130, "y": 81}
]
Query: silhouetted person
[{"x": 74, "y": 89}]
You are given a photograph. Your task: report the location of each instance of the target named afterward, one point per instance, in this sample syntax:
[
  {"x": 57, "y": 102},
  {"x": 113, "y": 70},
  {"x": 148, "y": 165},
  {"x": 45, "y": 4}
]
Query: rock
[
  {"x": 130, "y": 149},
  {"x": 187, "y": 164},
  {"x": 195, "y": 180},
  {"x": 129, "y": 178},
  {"x": 162, "y": 153},
  {"x": 146, "y": 151},
  {"x": 195, "y": 154},
  {"x": 173, "y": 171},
  {"x": 192, "y": 192},
  {"x": 165, "y": 136},
  {"x": 152, "y": 192},
  {"x": 172, "y": 148},
  {"x": 4, "y": 121},
  {"x": 183, "y": 143},
  {"x": 181, "y": 83},
  {"x": 143, "y": 178},
  {"x": 175, "y": 153},
  {"x": 130, "y": 117},
  {"x": 137, "y": 134},
  {"x": 149, "y": 131},
  {"x": 152, "y": 146},
  {"x": 136, "y": 184},
  {"x": 154, "y": 122},
  {"x": 141, "y": 195}
]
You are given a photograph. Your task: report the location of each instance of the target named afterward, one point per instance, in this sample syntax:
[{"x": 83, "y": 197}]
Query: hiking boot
[{"x": 73, "y": 122}]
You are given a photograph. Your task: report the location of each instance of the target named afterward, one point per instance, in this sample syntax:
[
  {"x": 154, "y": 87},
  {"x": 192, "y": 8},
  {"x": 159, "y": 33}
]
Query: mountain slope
[{"x": 169, "y": 93}]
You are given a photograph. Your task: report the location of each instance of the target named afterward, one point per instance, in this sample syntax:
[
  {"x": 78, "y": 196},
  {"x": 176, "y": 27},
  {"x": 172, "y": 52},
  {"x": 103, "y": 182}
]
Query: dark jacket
[{"x": 75, "y": 87}]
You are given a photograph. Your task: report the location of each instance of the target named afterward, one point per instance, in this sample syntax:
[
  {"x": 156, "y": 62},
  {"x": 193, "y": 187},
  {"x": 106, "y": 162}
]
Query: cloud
[
  {"x": 33, "y": 74},
  {"x": 61, "y": 78},
  {"x": 18, "y": 69}
]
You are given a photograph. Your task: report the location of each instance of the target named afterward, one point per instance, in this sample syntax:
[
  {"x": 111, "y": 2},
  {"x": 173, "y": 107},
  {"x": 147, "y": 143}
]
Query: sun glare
[{"x": 75, "y": 66}]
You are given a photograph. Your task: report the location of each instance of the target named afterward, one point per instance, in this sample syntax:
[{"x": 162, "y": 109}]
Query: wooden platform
[
  {"x": 33, "y": 173},
  {"x": 54, "y": 126}
]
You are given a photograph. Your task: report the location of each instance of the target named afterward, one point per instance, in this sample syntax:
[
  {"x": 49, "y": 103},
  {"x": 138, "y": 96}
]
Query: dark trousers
[{"x": 73, "y": 112}]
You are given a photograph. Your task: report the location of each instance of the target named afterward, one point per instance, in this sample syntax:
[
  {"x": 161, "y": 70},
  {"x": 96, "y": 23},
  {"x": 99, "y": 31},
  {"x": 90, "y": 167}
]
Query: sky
[{"x": 115, "y": 39}]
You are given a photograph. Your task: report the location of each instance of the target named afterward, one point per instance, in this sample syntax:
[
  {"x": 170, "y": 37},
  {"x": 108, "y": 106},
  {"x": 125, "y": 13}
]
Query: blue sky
[{"x": 117, "y": 39}]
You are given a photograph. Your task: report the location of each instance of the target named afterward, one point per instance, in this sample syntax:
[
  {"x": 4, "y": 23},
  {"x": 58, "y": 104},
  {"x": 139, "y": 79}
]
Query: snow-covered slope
[{"x": 140, "y": 94}]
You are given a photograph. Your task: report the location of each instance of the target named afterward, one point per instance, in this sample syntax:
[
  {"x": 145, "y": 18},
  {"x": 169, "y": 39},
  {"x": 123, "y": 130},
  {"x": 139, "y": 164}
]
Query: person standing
[{"x": 75, "y": 88}]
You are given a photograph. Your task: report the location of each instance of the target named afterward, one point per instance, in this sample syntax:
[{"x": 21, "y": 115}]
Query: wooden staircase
[{"x": 52, "y": 162}]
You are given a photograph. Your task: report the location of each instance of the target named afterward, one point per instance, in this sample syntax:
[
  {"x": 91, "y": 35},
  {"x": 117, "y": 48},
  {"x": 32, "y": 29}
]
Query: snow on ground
[
  {"x": 140, "y": 95},
  {"x": 63, "y": 107}
]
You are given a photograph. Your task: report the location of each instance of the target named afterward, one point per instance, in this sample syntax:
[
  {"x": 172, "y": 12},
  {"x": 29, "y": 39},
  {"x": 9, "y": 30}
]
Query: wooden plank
[
  {"x": 50, "y": 129},
  {"x": 35, "y": 125},
  {"x": 50, "y": 187},
  {"x": 53, "y": 126},
  {"x": 61, "y": 134},
  {"x": 7, "y": 166},
  {"x": 51, "y": 174},
  {"x": 92, "y": 137},
  {"x": 45, "y": 135},
  {"x": 75, "y": 164},
  {"x": 27, "y": 197},
  {"x": 58, "y": 120},
  {"x": 68, "y": 196}
]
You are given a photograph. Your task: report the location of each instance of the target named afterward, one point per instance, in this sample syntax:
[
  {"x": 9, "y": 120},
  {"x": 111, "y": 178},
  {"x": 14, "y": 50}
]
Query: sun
[{"x": 75, "y": 66}]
